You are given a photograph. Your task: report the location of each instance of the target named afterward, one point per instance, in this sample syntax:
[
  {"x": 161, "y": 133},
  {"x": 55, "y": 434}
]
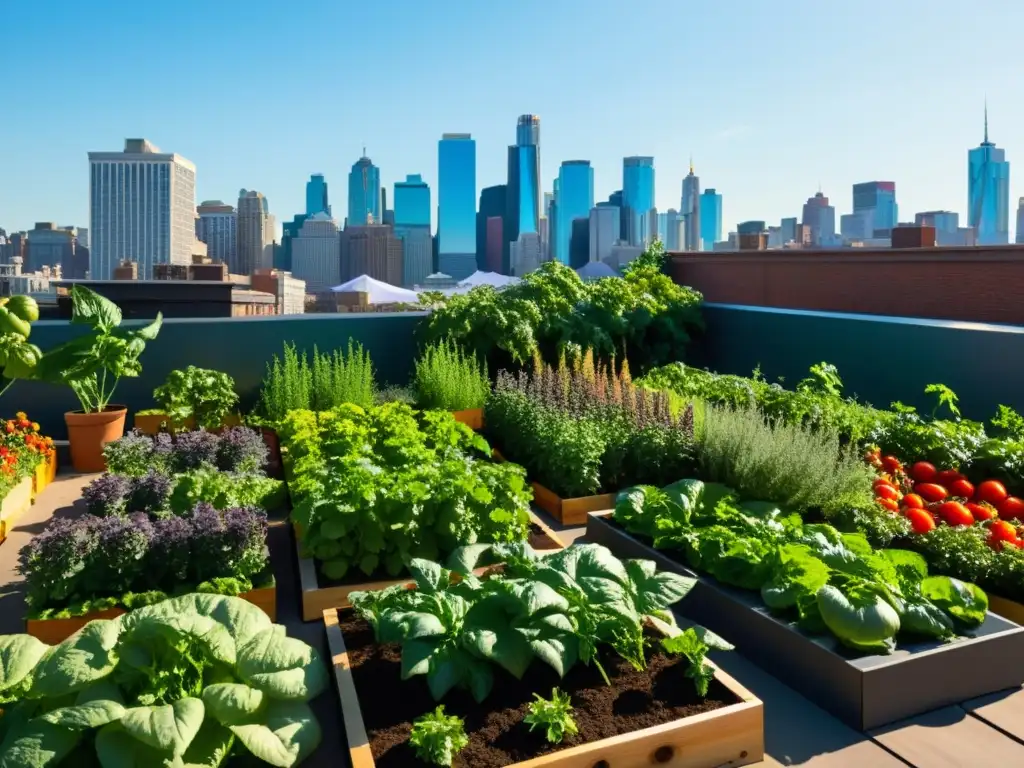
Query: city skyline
[{"x": 765, "y": 161}]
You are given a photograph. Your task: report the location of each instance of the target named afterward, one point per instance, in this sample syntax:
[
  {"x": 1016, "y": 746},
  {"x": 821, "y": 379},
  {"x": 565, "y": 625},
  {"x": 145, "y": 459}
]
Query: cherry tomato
[
  {"x": 913, "y": 501},
  {"x": 961, "y": 489},
  {"x": 931, "y": 491},
  {"x": 1000, "y": 530},
  {"x": 947, "y": 477},
  {"x": 920, "y": 521},
  {"x": 889, "y": 504},
  {"x": 884, "y": 480},
  {"x": 981, "y": 511},
  {"x": 887, "y": 491},
  {"x": 1011, "y": 508},
  {"x": 891, "y": 464},
  {"x": 923, "y": 472},
  {"x": 991, "y": 491},
  {"x": 955, "y": 513}
]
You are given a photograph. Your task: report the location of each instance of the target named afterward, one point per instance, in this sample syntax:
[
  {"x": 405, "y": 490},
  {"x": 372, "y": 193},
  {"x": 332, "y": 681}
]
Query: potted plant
[
  {"x": 189, "y": 398},
  {"x": 91, "y": 365},
  {"x": 17, "y": 356}
]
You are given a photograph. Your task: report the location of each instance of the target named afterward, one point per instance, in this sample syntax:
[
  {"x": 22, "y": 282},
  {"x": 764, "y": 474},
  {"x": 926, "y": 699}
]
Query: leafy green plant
[
  {"x": 437, "y": 737},
  {"x": 294, "y": 382},
  {"x": 694, "y": 643},
  {"x": 224, "y": 490},
  {"x": 18, "y": 358},
  {"x": 554, "y": 715},
  {"x": 197, "y": 393},
  {"x": 372, "y": 488},
  {"x": 93, "y": 363},
  {"x": 187, "y": 681},
  {"x": 449, "y": 379}
]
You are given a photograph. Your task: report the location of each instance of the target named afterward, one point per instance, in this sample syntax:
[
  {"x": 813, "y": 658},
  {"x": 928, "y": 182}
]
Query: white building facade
[
  {"x": 316, "y": 254},
  {"x": 525, "y": 254}
]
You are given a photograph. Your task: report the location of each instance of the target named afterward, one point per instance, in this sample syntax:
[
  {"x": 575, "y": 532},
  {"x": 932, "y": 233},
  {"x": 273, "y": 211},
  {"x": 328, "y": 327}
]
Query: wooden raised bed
[
  {"x": 152, "y": 423},
  {"x": 729, "y": 736},
  {"x": 16, "y": 503},
  {"x": 317, "y": 599},
  {"x": 566, "y": 511},
  {"x": 863, "y": 691},
  {"x": 1008, "y": 609},
  {"x": 471, "y": 417},
  {"x": 53, "y": 631}
]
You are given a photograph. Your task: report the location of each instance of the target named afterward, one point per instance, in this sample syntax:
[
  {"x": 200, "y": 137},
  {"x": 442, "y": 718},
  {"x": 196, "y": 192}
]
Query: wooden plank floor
[{"x": 987, "y": 732}]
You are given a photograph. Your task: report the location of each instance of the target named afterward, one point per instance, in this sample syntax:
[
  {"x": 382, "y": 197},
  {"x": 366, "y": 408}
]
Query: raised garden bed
[
  {"x": 16, "y": 503},
  {"x": 53, "y": 631},
  {"x": 566, "y": 511},
  {"x": 864, "y": 691},
  {"x": 318, "y": 596},
  {"x": 1008, "y": 609},
  {"x": 45, "y": 473},
  {"x": 471, "y": 417},
  {"x": 656, "y": 720}
]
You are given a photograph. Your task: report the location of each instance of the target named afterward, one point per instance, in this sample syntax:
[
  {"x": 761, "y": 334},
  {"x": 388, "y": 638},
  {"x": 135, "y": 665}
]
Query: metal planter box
[{"x": 863, "y": 691}]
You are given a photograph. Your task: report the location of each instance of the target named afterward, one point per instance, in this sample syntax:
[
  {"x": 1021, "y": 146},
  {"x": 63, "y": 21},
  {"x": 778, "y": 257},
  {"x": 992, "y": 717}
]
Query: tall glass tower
[
  {"x": 363, "y": 192},
  {"x": 316, "y": 195},
  {"x": 710, "y": 219},
  {"x": 456, "y": 200},
  {"x": 877, "y": 200},
  {"x": 523, "y": 200},
  {"x": 575, "y": 199},
  {"x": 690, "y": 209},
  {"x": 637, "y": 199},
  {"x": 412, "y": 201},
  {"x": 988, "y": 192}
]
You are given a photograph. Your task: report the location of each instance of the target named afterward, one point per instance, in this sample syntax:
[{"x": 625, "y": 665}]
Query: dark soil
[{"x": 497, "y": 734}]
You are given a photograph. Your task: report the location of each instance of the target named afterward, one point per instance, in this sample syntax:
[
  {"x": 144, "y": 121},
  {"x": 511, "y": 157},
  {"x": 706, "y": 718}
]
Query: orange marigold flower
[
  {"x": 21, "y": 415},
  {"x": 35, "y": 426}
]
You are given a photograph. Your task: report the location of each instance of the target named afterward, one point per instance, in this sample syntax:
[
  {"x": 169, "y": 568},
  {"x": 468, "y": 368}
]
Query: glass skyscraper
[
  {"x": 316, "y": 195},
  {"x": 878, "y": 197},
  {"x": 363, "y": 193},
  {"x": 690, "y": 209},
  {"x": 412, "y": 201},
  {"x": 492, "y": 205},
  {"x": 456, "y": 205},
  {"x": 523, "y": 200},
  {"x": 988, "y": 192},
  {"x": 637, "y": 199},
  {"x": 710, "y": 219},
  {"x": 575, "y": 198}
]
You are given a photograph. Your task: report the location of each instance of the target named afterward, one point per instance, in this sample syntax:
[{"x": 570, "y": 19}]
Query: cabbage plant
[{"x": 186, "y": 683}]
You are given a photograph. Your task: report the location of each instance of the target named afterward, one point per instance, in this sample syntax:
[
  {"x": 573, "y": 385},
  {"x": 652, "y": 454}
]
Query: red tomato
[
  {"x": 920, "y": 521},
  {"x": 884, "y": 480},
  {"x": 947, "y": 477},
  {"x": 887, "y": 491},
  {"x": 923, "y": 472},
  {"x": 1012, "y": 508},
  {"x": 981, "y": 511},
  {"x": 931, "y": 491},
  {"x": 962, "y": 489},
  {"x": 889, "y": 504},
  {"x": 955, "y": 513},
  {"x": 991, "y": 491},
  {"x": 1000, "y": 530},
  {"x": 913, "y": 501},
  {"x": 892, "y": 464}
]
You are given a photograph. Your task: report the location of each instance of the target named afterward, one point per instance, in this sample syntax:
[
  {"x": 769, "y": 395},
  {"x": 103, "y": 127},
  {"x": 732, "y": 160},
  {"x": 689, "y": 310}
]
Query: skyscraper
[
  {"x": 821, "y": 218},
  {"x": 575, "y": 198},
  {"x": 492, "y": 203},
  {"x": 217, "y": 226},
  {"x": 675, "y": 230},
  {"x": 690, "y": 209},
  {"x": 371, "y": 249},
  {"x": 605, "y": 220},
  {"x": 417, "y": 252},
  {"x": 316, "y": 253},
  {"x": 316, "y": 195},
  {"x": 363, "y": 193},
  {"x": 142, "y": 205},
  {"x": 1020, "y": 222},
  {"x": 876, "y": 200},
  {"x": 456, "y": 212},
  {"x": 256, "y": 234},
  {"x": 412, "y": 201},
  {"x": 637, "y": 199},
  {"x": 709, "y": 222},
  {"x": 988, "y": 192},
  {"x": 522, "y": 210}
]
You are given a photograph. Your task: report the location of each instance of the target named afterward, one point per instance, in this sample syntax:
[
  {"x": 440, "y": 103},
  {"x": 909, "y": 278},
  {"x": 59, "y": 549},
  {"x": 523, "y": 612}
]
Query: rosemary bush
[
  {"x": 449, "y": 379},
  {"x": 792, "y": 465},
  {"x": 296, "y": 382}
]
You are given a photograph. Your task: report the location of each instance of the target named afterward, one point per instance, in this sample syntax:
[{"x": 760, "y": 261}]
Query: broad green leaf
[
  {"x": 282, "y": 666},
  {"x": 86, "y": 656},
  {"x": 503, "y": 646},
  {"x": 37, "y": 744},
  {"x": 242, "y": 619},
  {"x": 19, "y": 655},
  {"x": 926, "y": 618},
  {"x": 90, "y": 308},
  {"x": 467, "y": 558},
  {"x": 656, "y": 591},
  {"x": 909, "y": 564},
  {"x": 233, "y": 703},
  {"x": 210, "y": 747},
  {"x": 116, "y": 748},
  {"x": 416, "y": 656},
  {"x": 81, "y": 717},
  {"x": 430, "y": 577},
  {"x": 960, "y": 599},
  {"x": 169, "y": 728},
  {"x": 289, "y": 734},
  {"x": 150, "y": 631}
]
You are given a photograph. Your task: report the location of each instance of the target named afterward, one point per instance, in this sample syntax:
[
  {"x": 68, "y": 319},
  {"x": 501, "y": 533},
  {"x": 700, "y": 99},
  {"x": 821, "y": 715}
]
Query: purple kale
[
  {"x": 163, "y": 447},
  {"x": 194, "y": 449},
  {"x": 245, "y": 540},
  {"x": 169, "y": 553},
  {"x": 107, "y": 494},
  {"x": 53, "y": 561},
  {"x": 242, "y": 450},
  {"x": 131, "y": 455},
  {"x": 116, "y": 563},
  {"x": 150, "y": 492},
  {"x": 208, "y": 543}
]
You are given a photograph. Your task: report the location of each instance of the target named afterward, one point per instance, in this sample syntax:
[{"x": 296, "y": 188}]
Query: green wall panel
[{"x": 241, "y": 347}]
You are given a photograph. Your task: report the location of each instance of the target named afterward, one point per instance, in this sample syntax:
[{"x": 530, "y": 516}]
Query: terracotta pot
[{"x": 89, "y": 432}]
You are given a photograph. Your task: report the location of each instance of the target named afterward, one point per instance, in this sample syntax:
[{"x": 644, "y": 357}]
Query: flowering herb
[
  {"x": 241, "y": 449},
  {"x": 192, "y": 450},
  {"x": 107, "y": 495}
]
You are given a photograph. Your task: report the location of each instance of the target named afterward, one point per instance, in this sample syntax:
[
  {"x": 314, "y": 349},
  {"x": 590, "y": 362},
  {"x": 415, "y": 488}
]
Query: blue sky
[{"x": 770, "y": 98}]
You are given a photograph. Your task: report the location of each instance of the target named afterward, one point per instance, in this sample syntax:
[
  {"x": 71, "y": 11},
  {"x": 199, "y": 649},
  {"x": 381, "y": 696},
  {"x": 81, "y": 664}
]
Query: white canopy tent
[
  {"x": 377, "y": 292},
  {"x": 488, "y": 278}
]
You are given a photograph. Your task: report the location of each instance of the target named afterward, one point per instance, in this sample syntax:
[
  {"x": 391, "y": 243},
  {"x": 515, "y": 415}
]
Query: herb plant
[
  {"x": 294, "y": 382},
  {"x": 554, "y": 715},
  {"x": 188, "y": 681},
  {"x": 448, "y": 379},
  {"x": 437, "y": 737},
  {"x": 694, "y": 643},
  {"x": 197, "y": 393},
  {"x": 132, "y": 455}
]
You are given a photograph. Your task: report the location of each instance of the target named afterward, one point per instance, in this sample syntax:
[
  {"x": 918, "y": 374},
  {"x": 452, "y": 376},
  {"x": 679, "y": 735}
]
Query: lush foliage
[
  {"x": 91, "y": 364},
  {"x": 17, "y": 356},
  {"x": 828, "y": 581},
  {"x": 437, "y": 737},
  {"x": 77, "y": 566},
  {"x": 191, "y": 681},
  {"x": 554, "y": 715},
  {"x": 372, "y": 488},
  {"x": 295, "y": 382},
  {"x": 449, "y": 379},
  {"x": 197, "y": 393},
  {"x": 555, "y": 609},
  {"x": 642, "y": 316},
  {"x": 584, "y": 429}
]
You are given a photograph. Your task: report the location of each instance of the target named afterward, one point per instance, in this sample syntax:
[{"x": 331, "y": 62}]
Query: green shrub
[{"x": 449, "y": 379}]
